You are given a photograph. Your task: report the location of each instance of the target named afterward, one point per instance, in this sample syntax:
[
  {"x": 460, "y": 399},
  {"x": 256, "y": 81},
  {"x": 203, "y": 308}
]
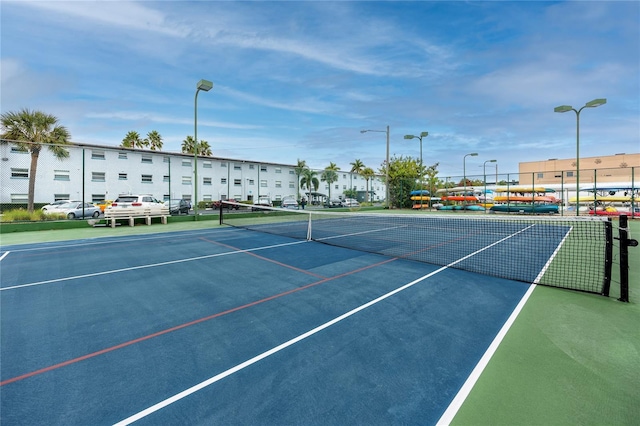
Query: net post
[
  {"x": 608, "y": 257},
  {"x": 220, "y": 212},
  {"x": 309, "y": 229},
  {"x": 623, "y": 236}
]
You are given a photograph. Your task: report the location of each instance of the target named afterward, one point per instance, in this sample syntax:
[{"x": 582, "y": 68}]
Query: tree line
[{"x": 153, "y": 141}]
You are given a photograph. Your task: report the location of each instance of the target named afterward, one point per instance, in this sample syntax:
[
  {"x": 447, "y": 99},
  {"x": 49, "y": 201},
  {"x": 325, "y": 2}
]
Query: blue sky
[{"x": 299, "y": 80}]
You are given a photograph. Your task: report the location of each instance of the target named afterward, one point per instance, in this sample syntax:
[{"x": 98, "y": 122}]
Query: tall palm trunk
[{"x": 33, "y": 168}]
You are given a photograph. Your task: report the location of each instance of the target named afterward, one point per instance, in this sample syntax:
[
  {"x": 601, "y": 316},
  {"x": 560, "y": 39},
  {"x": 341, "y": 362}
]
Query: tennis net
[{"x": 568, "y": 252}]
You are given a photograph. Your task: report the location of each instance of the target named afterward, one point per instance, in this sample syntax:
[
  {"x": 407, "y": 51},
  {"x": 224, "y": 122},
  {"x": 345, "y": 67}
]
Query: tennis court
[{"x": 231, "y": 326}]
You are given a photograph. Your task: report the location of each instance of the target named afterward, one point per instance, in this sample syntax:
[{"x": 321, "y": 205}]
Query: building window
[
  {"x": 61, "y": 175},
  {"x": 19, "y": 198},
  {"x": 569, "y": 174},
  {"x": 122, "y": 155},
  {"x": 19, "y": 173},
  {"x": 237, "y": 167},
  {"x": 122, "y": 176},
  {"x": 278, "y": 184},
  {"x": 186, "y": 180},
  {"x": 223, "y": 164},
  {"x": 97, "y": 177},
  {"x": 96, "y": 198},
  {"x": 292, "y": 184},
  {"x": 292, "y": 172},
  {"x": 207, "y": 164},
  {"x": 206, "y": 181},
  {"x": 166, "y": 159},
  {"x": 147, "y": 178},
  {"x": 252, "y": 182},
  {"x": 58, "y": 197},
  {"x": 166, "y": 178},
  {"x": 19, "y": 150},
  {"x": 237, "y": 182},
  {"x": 540, "y": 175},
  {"x": 278, "y": 170},
  {"x": 186, "y": 163},
  {"x": 97, "y": 155},
  {"x": 207, "y": 197},
  {"x": 147, "y": 159},
  {"x": 263, "y": 168},
  {"x": 223, "y": 181},
  {"x": 263, "y": 183},
  {"x": 252, "y": 166}
]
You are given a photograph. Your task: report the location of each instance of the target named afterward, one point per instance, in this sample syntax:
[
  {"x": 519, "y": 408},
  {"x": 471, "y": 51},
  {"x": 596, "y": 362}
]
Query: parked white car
[
  {"x": 136, "y": 201},
  {"x": 56, "y": 205},
  {"x": 350, "y": 202},
  {"x": 289, "y": 203}
]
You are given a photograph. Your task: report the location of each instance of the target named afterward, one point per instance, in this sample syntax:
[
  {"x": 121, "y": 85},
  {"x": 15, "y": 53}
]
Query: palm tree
[
  {"x": 302, "y": 165},
  {"x": 368, "y": 174},
  {"x": 31, "y": 130},
  {"x": 153, "y": 140},
  {"x": 356, "y": 167},
  {"x": 132, "y": 140},
  {"x": 330, "y": 175},
  {"x": 204, "y": 149},
  {"x": 309, "y": 180}
]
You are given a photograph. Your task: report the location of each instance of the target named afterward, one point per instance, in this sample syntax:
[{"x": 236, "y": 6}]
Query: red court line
[
  {"x": 187, "y": 324},
  {"x": 263, "y": 258}
]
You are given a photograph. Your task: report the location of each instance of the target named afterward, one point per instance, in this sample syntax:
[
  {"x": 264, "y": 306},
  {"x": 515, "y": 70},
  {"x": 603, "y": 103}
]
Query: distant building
[{"x": 605, "y": 169}]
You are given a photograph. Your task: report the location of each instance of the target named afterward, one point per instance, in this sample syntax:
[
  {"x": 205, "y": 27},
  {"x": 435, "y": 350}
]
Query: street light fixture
[
  {"x": 565, "y": 108},
  {"x": 484, "y": 170},
  {"x": 464, "y": 174},
  {"x": 422, "y": 135},
  {"x": 387, "y": 164},
  {"x": 205, "y": 86}
]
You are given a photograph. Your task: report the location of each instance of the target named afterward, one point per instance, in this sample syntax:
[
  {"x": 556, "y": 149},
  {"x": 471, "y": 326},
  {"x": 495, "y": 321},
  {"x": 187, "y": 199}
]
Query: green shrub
[{"x": 23, "y": 215}]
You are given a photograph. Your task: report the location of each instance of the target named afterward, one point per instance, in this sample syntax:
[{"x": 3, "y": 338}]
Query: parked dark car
[{"x": 177, "y": 206}]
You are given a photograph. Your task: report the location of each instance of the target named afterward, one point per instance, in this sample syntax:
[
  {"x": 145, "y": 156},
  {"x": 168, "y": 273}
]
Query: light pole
[
  {"x": 422, "y": 135},
  {"x": 387, "y": 164},
  {"x": 564, "y": 108},
  {"x": 484, "y": 171},
  {"x": 203, "y": 85},
  {"x": 464, "y": 175}
]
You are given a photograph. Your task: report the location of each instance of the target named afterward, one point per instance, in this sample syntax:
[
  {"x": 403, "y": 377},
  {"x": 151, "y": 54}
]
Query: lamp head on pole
[
  {"x": 423, "y": 134},
  {"x": 409, "y": 136},
  {"x": 204, "y": 85},
  {"x": 563, "y": 108},
  {"x": 595, "y": 103}
]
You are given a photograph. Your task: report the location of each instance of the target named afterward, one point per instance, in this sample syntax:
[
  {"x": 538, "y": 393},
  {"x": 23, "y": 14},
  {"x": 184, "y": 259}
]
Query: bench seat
[{"x": 131, "y": 214}]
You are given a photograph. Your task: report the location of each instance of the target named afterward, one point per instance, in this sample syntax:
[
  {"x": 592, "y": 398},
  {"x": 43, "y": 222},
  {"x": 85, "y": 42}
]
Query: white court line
[
  {"x": 464, "y": 391},
  {"x": 108, "y": 239},
  {"x": 153, "y": 265},
  {"x": 553, "y": 256},
  {"x": 5, "y": 254},
  {"x": 309, "y": 333}
]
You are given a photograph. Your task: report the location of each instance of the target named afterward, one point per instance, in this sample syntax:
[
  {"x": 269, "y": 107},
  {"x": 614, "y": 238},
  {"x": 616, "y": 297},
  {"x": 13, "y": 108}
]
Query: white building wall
[{"x": 111, "y": 171}]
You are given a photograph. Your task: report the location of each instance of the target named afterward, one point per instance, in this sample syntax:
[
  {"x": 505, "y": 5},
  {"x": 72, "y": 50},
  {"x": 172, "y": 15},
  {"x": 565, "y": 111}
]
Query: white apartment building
[{"x": 95, "y": 173}]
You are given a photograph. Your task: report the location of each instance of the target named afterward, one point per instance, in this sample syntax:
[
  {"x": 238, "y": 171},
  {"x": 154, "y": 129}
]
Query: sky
[{"x": 300, "y": 80}]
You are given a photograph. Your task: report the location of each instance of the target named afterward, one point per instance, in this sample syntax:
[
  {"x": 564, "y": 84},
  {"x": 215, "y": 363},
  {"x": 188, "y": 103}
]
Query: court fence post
[{"x": 625, "y": 243}]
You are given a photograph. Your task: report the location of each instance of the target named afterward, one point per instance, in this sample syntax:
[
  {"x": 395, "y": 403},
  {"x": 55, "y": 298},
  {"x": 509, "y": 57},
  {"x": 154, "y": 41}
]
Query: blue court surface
[{"x": 229, "y": 326}]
